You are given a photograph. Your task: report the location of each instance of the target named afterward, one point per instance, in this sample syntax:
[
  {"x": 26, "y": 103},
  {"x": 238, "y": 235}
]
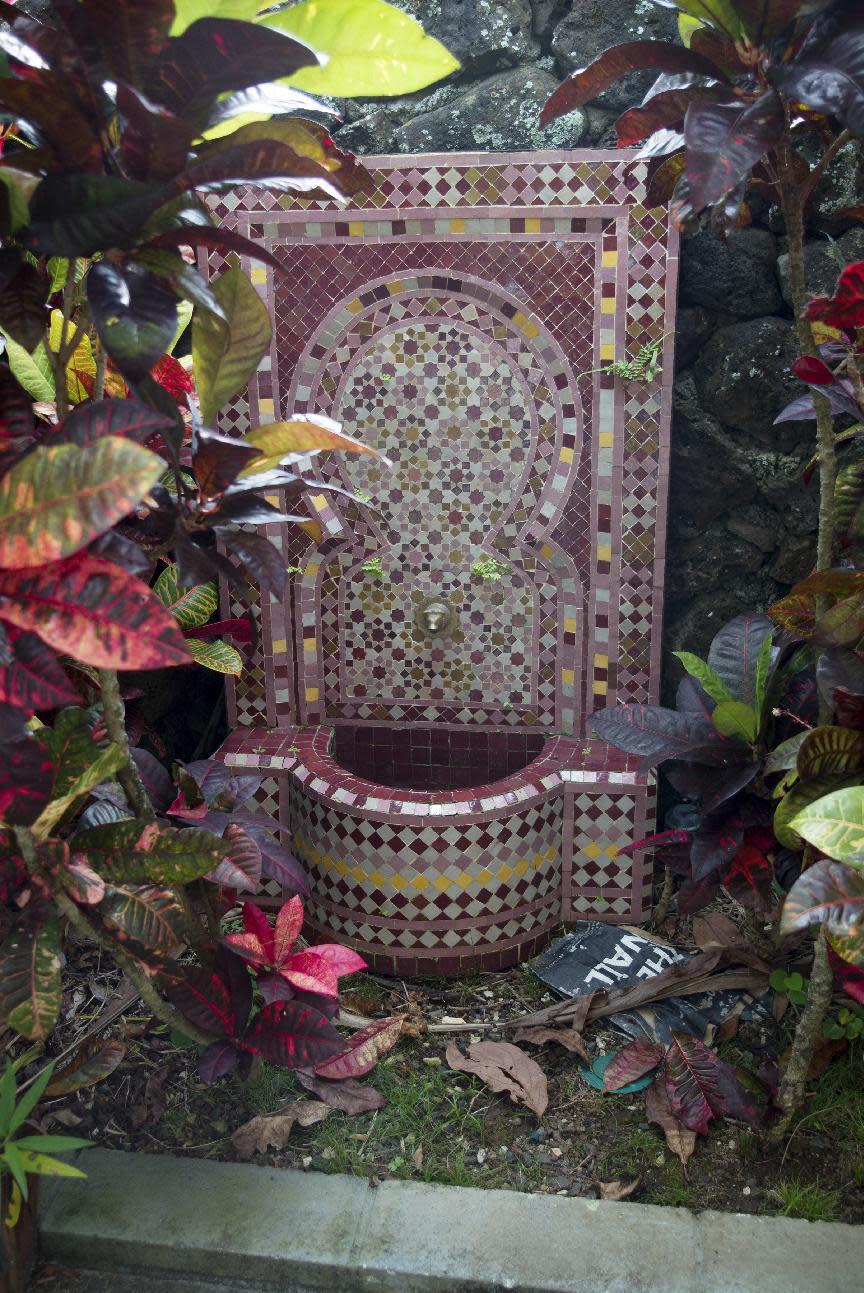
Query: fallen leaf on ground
[
  {"x": 348, "y": 1096},
  {"x": 658, "y": 1109},
  {"x": 504, "y": 1067},
  {"x": 827, "y": 1049},
  {"x": 715, "y": 930},
  {"x": 151, "y": 1107},
  {"x": 538, "y": 1035},
  {"x": 89, "y": 1064},
  {"x": 633, "y": 1062},
  {"x": 417, "y": 1156},
  {"x": 271, "y": 1130},
  {"x": 616, "y": 1190}
]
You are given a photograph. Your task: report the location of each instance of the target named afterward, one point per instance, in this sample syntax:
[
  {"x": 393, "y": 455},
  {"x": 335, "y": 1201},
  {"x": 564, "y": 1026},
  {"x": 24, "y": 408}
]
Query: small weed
[
  {"x": 809, "y": 1202},
  {"x": 627, "y": 1156},
  {"x": 837, "y": 1106},
  {"x": 372, "y": 568},
  {"x": 271, "y": 1087},
  {"x": 749, "y": 1147},
  {"x": 674, "y": 1191},
  {"x": 490, "y": 570}
]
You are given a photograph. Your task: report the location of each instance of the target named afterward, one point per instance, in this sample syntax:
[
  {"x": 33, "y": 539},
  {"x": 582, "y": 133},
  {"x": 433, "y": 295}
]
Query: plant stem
[
  {"x": 101, "y": 368},
  {"x": 660, "y": 911},
  {"x": 115, "y": 721},
  {"x": 807, "y": 1034}
]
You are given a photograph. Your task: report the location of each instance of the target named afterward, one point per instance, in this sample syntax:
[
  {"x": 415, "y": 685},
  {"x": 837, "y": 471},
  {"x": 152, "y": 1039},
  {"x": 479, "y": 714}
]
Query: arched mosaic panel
[{"x": 512, "y": 280}]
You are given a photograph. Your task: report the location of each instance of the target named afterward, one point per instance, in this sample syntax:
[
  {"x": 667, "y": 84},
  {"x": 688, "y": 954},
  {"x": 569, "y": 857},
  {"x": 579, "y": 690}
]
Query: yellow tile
[
  {"x": 611, "y": 850},
  {"x": 311, "y": 693},
  {"x": 376, "y": 878},
  {"x": 273, "y": 498},
  {"x": 354, "y": 307},
  {"x": 547, "y": 550},
  {"x": 607, "y": 305},
  {"x": 395, "y": 287},
  {"x": 604, "y": 552},
  {"x": 279, "y": 644},
  {"x": 610, "y": 259},
  {"x": 311, "y": 570},
  {"x": 266, "y": 406},
  {"x": 592, "y": 850},
  {"x": 504, "y": 873},
  {"x": 526, "y": 325},
  {"x": 607, "y": 350},
  {"x": 532, "y": 225},
  {"x": 568, "y": 676},
  {"x": 601, "y": 660},
  {"x": 457, "y": 226},
  {"x": 566, "y": 455},
  {"x": 463, "y": 879},
  {"x": 522, "y": 866},
  {"x": 570, "y": 624},
  {"x": 397, "y": 882},
  {"x": 356, "y": 228},
  {"x": 319, "y": 502},
  {"x": 607, "y": 439},
  {"x": 358, "y": 874},
  {"x": 420, "y": 882},
  {"x": 484, "y": 876},
  {"x": 441, "y": 883},
  {"x": 342, "y": 867},
  {"x": 599, "y": 687},
  {"x": 258, "y": 275}
]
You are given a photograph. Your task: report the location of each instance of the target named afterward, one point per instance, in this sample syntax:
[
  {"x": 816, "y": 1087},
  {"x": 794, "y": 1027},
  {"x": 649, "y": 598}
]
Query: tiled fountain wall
[{"x": 455, "y": 318}]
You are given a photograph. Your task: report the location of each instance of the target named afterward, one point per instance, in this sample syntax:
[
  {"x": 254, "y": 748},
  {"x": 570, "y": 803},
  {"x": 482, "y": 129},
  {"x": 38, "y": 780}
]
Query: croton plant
[{"x": 121, "y": 503}]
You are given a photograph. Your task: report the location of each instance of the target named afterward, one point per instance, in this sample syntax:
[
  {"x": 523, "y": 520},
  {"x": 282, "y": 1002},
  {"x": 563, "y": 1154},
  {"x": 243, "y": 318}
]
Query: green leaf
[
  {"x": 189, "y": 11},
  {"x": 18, "y": 185},
  {"x": 798, "y": 799},
  {"x": 191, "y": 607},
  {"x": 785, "y": 755},
  {"x": 734, "y": 718},
  {"x": 278, "y": 441},
  {"x": 15, "y": 1163},
  {"x": 30, "y": 974},
  {"x": 70, "y": 746},
  {"x": 30, "y": 1098},
  {"x": 7, "y": 1098},
  {"x": 834, "y": 823},
  {"x": 185, "y": 310},
  {"x": 138, "y": 852},
  {"x": 33, "y": 372},
  {"x": 763, "y": 672},
  {"x": 110, "y": 760},
  {"x": 217, "y": 655},
  {"x": 51, "y": 1144},
  {"x": 57, "y": 500},
  {"x": 371, "y": 48},
  {"x": 227, "y": 352},
  {"x": 704, "y": 674},
  {"x": 148, "y": 915}
]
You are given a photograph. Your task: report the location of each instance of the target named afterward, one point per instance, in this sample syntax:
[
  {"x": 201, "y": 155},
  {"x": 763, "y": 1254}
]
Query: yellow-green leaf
[
  {"x": 81, "y": 364},
  {"x": 191, "y": 607},
  {"x": 227, "y": 352},
  {"x": 57, "y": 500},
  {"x": 734, "y": 718},
  {"x": 719, "y": 14},
  {"x": 799, "y": 798},
  {"x": 311, "y": 433},
  {"x": 834, "y": 824},
  {"x": 13, "y": 1211},
  {"x": 109, "y": 761},
  {"x": 189, "y": 11},
  {"x": 217, "y": 655},
  {"x": 30, "y": 974},
  {"x": 372, "y": 48},
  {"x": 32, "y": 371},
  {"x": 44, "y": 1165},
  {"x": 712, "y": 684}
]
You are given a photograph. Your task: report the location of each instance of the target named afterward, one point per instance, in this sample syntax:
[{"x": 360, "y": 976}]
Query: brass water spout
[{"x": 435, "y": 618}]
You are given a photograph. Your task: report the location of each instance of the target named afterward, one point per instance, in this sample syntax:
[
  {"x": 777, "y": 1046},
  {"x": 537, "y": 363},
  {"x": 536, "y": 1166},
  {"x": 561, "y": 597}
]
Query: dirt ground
[{"x": 445, "y": 1126}]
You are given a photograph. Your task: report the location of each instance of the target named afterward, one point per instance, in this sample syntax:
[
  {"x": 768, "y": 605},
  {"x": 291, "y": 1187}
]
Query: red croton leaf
[
  {"x": 813, "y": 371},
  {"x": 31, "y": 676},
  {"x": 749, "y": 879},
  {"x": 632, "y": 1063},
  {"x": 700, "y": 1085},
  {"x": 292, "y": 1036},
  {"x": 172, "y": 376},
  {"x": 94, "y": 611},
  {"x": 845, "y": 309},
  {"x": 269, "y": 947}
]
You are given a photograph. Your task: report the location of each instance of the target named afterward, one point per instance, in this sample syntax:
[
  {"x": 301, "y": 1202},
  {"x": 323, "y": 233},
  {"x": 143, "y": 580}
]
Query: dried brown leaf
[
  {"x": 616, "y": 1190},
  {"x": 538, "y": 1035},
  {"x": 504, "y": 1067},
  {"x": 417, "y": 1156},
  {"x": 271, "y": 1130},
  {"x": 714, "y": 930},
  {"x": 680, "y": 1139},
  {"x": 90, "y": 1063}
]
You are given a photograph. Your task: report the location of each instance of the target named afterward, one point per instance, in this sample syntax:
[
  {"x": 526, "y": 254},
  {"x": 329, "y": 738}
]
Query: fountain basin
[{"x": 440, "y": 850}]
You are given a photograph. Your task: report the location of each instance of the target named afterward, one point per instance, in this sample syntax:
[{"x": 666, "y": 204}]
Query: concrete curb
[{"x": 271, "y": 1229}]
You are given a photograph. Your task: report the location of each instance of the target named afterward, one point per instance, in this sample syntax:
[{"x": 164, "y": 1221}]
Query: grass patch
[
  {"x": 807, "y": 1201},
  {"x": 631, "y": 1151},
  {"x": 837, "y": 1106},
  {"x": 674, "y": 1190}
]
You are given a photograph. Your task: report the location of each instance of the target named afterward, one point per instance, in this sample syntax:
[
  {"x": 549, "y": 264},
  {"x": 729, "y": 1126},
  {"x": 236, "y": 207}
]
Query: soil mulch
[{"x": 443, "y": 1126}]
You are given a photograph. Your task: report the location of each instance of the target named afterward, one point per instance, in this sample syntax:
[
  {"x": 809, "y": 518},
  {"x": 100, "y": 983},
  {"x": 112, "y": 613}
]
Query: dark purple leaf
[
  {"x": 26, "y": 779},
  {"x": 204, "y": 998},
  {"x": 135, "y": 315},
  {"x": 240, "y": 868},
  {"x": 125, "y": 38},
  {"x": 23, "y": 293},
  {"x": 724, "y": 141},
  {"x": 765, "y": 19},
  {"x": 223, "y": 240},
  {"x": 157, "y": 781},
  {"x": 217, "y": 55},
  {"x": 78, "y": 214},
  {"x": 292, "y": 154},
  {"x": 827, "y": 77},
  {"x": 155, "y": 143},
  {"x": 711, "y": 848},
  {"x": 661, "y": 111},
  {"x": 700, "y": 1085},
  {"x": 218, "y": 1059},
  {"x": 692, "y": 698},
  {"x": 274, "y": 988},
  {"x": 263, "y": 563},
  {"x": 749, "y": 879},
  {"x": 657, "y": 734},
  {"x": 116, "y": 547},
  {"x": 632, "y": 56},
  {"x": 217, "y": 460},
  {"x": 734, "y": 652},
  {"x": 348, "y": 1095},
  {"x": 278, "y": 864},
  {"x": 694, "y": 895}
]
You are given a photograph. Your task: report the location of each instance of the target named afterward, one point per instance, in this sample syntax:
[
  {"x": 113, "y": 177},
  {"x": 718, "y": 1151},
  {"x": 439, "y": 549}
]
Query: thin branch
[{"x": 824, "y": 162}]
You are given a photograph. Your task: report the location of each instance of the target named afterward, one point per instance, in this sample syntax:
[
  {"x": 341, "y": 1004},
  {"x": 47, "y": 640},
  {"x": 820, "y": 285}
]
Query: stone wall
[{"x": 741, "y": 523}]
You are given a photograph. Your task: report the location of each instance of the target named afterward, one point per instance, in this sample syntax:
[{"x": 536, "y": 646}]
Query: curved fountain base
[{"x": 465, "y": 873}]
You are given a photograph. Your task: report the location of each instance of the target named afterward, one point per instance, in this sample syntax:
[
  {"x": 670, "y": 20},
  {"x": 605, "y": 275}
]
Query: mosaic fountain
[{"x": 421, "y": 726}]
